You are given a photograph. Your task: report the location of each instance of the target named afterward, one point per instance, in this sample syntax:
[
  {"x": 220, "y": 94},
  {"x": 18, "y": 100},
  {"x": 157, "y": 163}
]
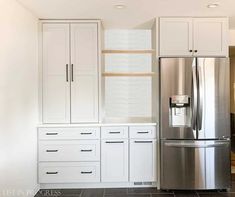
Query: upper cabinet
[
  {"x": 193, "y": 37},
  {"x": 70, "y": 59},
  {"x": 175, "y": 36}
]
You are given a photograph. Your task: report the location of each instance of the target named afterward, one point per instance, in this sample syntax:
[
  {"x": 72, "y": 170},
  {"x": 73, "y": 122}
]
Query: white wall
[
  {"x": 232, "y": 37},
  {"x": 18, "y": 100}
]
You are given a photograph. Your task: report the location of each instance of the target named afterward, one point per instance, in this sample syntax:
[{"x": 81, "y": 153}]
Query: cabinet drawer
[
  {"x": 74, "y": 150},
  {"x": 58, "y": 172},
  {"x": 69, "y": 133},
  {"x": 143, "y": 132},
  {"x": 114, "y": 132}
]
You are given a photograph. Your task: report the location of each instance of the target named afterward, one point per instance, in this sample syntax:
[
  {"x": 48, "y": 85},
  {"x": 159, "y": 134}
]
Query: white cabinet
[
  {"x": 56, "y": 86},
  {"x": 143, "y": 157},
  {"x": 70, "y": 72},
  {"x": 175, "y": 36},
  {"x": 114, "y": 160},
  {"x": 84, "y": 84},
  {"x": 210, "y": 36},
  {"x": 194, "y": 36}
]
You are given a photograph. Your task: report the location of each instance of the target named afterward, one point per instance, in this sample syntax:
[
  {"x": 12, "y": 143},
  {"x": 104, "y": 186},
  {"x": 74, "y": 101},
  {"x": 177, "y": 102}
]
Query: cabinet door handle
[
  {"x": 195, "y": 51},
  {"x": 142, "y": 132},
  {"x": 51, "y": 151},
  {"x": 190, "y": 50},
  {"x": 88, "y": 150},
  {"x": 51, "y": 172},
  {"x": 72, "y": 72},
  {"x": 67, "y": 73},
  {"x": 143, "y": 142},
  {"x": 86, "y": 172},
  {"x": 51, "y": 133},
  {"x": 86, "y": 133},
  {"x": 114, "y": 132},
  {"x": 114, "y": 142}
]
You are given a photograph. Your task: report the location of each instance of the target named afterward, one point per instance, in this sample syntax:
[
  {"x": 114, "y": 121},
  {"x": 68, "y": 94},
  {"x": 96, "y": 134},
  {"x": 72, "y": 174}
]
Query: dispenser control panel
[{"x": 179, "y": 111}]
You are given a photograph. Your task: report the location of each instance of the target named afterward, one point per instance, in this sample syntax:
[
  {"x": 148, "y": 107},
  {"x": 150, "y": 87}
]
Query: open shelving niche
[{"x": 129, "y": 76}]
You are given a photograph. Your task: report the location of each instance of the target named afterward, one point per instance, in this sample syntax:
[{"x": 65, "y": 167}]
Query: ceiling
[{"x": 135, "y": 14}]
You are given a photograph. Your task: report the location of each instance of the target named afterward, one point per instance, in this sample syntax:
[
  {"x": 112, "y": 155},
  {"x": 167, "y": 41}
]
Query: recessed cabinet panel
[
  {"x": 210, "y": 36},
  {"x": 175, "y": 36},
  {"x": 84, "y": 69},
  {"x": 114, "y": 160},
  {"x": 143, "y": 165},
  {"x": 56, "y": 87}
]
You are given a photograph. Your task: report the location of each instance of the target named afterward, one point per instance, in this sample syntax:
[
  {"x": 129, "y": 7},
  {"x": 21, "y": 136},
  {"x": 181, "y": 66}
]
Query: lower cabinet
[
  {"x": 143, "y": 157},
  {"x": 114, "y": 160},
  {"x": 116, "y": 154}
]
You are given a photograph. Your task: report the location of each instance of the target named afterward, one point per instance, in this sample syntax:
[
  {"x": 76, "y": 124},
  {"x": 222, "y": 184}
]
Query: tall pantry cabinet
[{"x": 70, "y": 59}]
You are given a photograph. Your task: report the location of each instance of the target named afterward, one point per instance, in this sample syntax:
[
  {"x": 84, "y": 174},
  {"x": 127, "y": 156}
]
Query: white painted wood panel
[
  {"x": 84, "y": 82},
  {"x": 80, "y": 133},
  {"x": 114, "y": 160},
  {"x": 143, "y": 132},
  {"x": 114, "y": 132},
  {"x": 69, "y": 172},
  {"x": 56, "y": 90},
  {"x": 143, "y": 157},
  {"x": 69, "y": 150},
  {"x": 176, "y": 36},
  {"x": 210, "y": 36}
]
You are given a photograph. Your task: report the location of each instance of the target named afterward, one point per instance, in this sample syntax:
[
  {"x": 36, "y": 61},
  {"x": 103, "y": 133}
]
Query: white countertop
[{"x": 96, "y": 125}]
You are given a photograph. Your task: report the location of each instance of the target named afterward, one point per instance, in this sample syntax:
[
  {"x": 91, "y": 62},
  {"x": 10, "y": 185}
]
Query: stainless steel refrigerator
[{"x": 195, "y": 123}]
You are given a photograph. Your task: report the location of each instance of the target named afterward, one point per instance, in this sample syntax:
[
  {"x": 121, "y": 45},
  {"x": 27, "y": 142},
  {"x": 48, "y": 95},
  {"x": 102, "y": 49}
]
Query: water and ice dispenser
[{"x": 179, "y": 112}]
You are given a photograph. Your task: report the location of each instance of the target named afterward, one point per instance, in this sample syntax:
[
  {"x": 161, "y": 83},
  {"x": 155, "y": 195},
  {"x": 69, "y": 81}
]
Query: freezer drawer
[{"x": 187, "y": 164}]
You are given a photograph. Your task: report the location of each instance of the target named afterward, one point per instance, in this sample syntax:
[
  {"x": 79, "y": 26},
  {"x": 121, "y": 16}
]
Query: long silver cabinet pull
[
  {"x": 51, "y": 151},
  {"x": 85, "y": 172},
  {"x": 51, "y": 172},
  {"x": 142, "y": 132},
  {"x": 71, "y": 72},
  {"x": 83, "y": 150},
  {"x": 191, "y": 145},
  {"x": 114, "y": 142},
  {"x": 67, "y": 72},
  {"x": 114, "y": 132},
  {"x": 200, "y": 95},
  {"x": 83, "y": 133},
  {"x": 195, "y": 98},
  {"x": 51, "y": 133},
  {"x": 142, "y": 142}
]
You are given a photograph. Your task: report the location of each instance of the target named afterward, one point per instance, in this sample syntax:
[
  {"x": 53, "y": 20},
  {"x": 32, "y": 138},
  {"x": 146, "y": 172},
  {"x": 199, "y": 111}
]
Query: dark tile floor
[{"x": 132, "y": 192}]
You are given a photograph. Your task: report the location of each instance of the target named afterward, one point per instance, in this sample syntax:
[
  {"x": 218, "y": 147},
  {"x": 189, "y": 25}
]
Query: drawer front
[
  {"x": 114, "y": 132},
  {"x": 143, "y": 132},
  {"x": 82, "y": 172},
  {"x": 69, "y": 133},
  {"x": 73, "y": 150}
]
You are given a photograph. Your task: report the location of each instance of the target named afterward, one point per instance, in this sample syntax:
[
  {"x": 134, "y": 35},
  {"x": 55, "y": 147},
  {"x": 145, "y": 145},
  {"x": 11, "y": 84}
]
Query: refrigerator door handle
[
  {"x": 195, "y": 96},
  {"x": 200, "y": 96},
  {"x": 193, "y": 145}
]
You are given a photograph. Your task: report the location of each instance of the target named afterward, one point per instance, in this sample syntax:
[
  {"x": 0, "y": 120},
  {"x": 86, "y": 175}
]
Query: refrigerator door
[
  {"x": 187, "y": 164},
  {"x": 213, "y": 117},
  {"x": 178, "y": 100}
]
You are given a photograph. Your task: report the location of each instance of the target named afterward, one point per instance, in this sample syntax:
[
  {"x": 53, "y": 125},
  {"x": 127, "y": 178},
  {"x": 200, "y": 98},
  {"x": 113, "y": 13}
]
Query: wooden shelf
[
  {"x": 129, "y": 51},
  {"x": 129, "y": 74}
]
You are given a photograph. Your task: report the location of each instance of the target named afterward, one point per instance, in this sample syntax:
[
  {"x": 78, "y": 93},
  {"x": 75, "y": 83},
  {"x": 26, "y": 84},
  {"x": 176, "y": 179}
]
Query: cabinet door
[
  {"x": 210, "y": 36},
  {"x": 56, "y": 86},
  {"x": 84, "y": 73},
  {"x": 143, "y": 165},
  {"x": 114, "y": 160},
  {"x": 175, "y": 36}
]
